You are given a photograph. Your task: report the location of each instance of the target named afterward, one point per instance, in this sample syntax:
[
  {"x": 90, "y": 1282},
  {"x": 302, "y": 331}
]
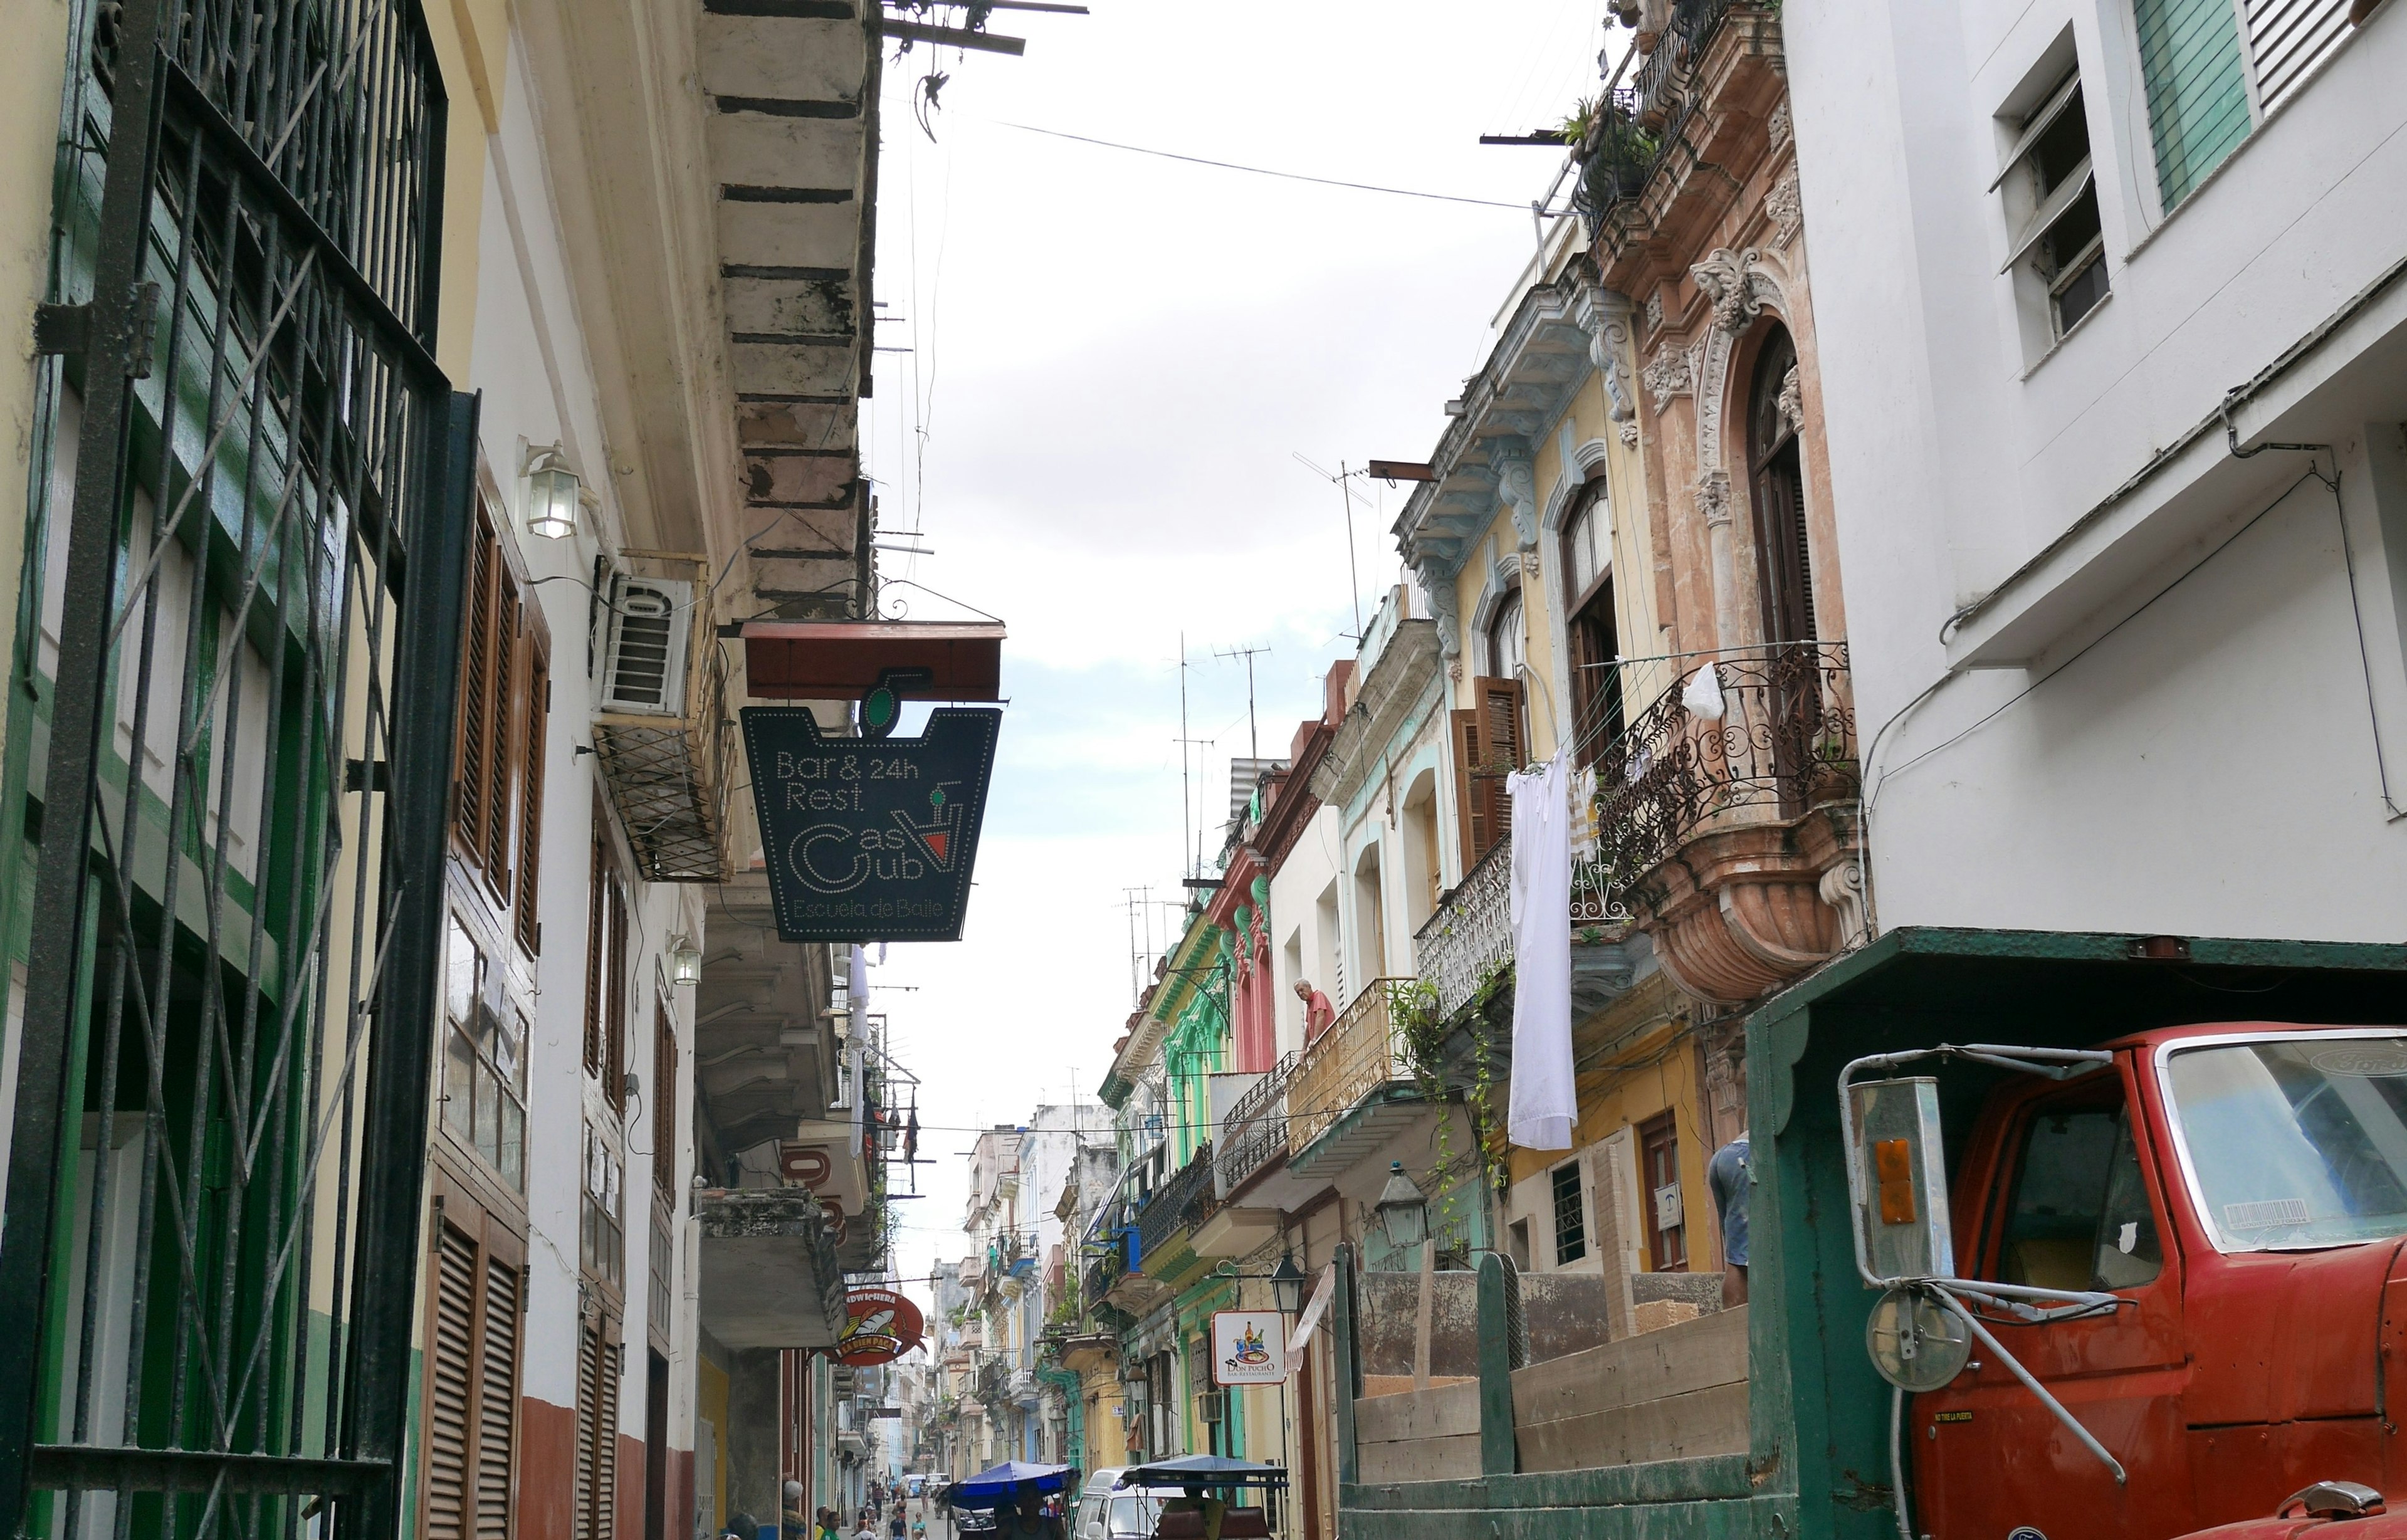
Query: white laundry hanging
[{"x": 1543, "y": 1102}]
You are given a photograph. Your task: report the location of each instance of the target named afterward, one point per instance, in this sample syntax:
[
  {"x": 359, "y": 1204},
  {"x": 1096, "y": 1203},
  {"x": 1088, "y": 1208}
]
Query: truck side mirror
[{"x": 1897, "y": 1175}]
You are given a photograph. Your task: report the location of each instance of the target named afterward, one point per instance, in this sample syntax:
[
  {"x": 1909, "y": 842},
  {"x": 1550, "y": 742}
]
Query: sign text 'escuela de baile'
[{"x": 869, "y": 839}]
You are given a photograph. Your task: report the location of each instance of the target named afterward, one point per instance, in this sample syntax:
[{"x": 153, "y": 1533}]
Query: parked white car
[{"x": 1104, "y": 1514}]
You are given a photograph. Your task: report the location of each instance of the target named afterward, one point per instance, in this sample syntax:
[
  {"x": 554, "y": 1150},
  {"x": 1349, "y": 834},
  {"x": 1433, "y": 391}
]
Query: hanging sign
[
  {"x": 1309, "y": 1322},
  {"x": 869, "y": 839},
  {"x": 1246, "y": 1348},
  {"x": 882, "y": 1326}
]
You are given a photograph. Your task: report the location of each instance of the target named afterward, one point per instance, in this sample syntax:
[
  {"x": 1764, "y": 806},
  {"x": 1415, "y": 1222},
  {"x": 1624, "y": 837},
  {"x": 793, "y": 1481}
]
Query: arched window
[
  {"x": 1507, "y": 649},
  {"x": 1593, "y": 634},
  {"x": 1784, "y": 565}
]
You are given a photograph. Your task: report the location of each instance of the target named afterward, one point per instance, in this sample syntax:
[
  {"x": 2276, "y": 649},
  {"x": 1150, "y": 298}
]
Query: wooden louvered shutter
[
  {"x": 606, "y": 1454},
  {"x": 1487, "y": 747},
  {"x": 665, "y": 1078},
  {"x": 614, "y": 995},
  {"x": 472, "y": 1373},
  {"x": 451, "y": 1384},
  {"x": 497, "y": 1398},
  {"x": 597, "y": 1427},
  {"x": 1469, "y": 805},
  {"x": 470, "y": 768},
  {"x": 596, "y": 941},
  {"x": 534, "y": 721},
  {"x": 589, "y": 1347},
  {"x": 506, "y": 689}
]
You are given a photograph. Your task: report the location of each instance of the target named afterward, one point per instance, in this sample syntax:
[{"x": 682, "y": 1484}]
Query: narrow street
[{"x": 1360, "y": 771}]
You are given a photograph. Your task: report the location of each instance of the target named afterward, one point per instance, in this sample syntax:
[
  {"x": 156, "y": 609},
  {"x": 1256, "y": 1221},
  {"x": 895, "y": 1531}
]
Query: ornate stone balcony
[{"x": 1737, "y": 843}]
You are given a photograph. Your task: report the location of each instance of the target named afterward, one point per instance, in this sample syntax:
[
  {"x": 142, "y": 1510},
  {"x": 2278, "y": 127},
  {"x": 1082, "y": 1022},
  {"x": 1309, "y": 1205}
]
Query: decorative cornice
[
  {"x": 1516, "y": 485},
  {"x": 1792, "y": 400},
  {"x": 1529, "y": 380},
  {"x": 1607, "y": 316},
  {"x": 1714, "y": 498},
  {"x": 1783, "y": 207},
  {"x": 1727, "y": 278},
  {"x": 1667, "y": 374},
  {"x": 1437, "y": 586}
]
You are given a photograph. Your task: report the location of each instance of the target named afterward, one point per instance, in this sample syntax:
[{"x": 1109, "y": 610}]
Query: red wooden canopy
[{"x": 840, "y": 660}]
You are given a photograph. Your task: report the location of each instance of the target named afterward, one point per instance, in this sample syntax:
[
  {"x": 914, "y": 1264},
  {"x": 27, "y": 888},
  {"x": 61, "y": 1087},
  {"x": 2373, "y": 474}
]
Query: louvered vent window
[
  {"x": 2214, "y": 70},
  {"x": 2051, "y": 192}
]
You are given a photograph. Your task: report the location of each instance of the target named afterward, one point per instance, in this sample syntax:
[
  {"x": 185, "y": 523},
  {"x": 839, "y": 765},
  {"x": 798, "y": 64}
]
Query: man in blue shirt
[{"x": 1726, "y": 1176}]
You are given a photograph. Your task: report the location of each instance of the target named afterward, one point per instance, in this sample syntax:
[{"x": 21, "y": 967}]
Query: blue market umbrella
[
  {"x": 1002, "y": 1483},
  {"x": 1203, "y": 1470}
]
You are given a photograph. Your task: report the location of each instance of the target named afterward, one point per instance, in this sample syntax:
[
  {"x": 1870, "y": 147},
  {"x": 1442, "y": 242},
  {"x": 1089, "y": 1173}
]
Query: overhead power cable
[{"x": 1263, "y": 170}]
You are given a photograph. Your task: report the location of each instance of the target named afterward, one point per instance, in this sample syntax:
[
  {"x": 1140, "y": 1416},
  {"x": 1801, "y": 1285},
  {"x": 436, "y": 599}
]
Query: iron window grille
[
  {"x": 236, "y": 649},
  {"x": 1570, "y": 1218}
]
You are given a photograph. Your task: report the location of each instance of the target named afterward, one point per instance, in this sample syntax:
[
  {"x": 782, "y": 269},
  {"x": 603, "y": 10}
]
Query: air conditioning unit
[
  {"x": 644, "y": 665},
  {"x": 1211, "y": 1405}
]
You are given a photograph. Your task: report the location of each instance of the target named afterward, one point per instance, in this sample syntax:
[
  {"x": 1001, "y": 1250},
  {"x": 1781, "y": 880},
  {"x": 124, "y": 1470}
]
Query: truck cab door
[{"x": 2060, "y": 1190}]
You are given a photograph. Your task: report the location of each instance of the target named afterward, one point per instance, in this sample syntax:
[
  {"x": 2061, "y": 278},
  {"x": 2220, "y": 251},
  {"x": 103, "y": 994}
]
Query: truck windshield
[{"x": 2295, "y": 1143}]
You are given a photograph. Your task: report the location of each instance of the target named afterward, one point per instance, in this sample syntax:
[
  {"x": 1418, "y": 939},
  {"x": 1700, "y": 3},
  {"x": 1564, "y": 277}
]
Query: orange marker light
[{"x": 1893, "y": 1163}]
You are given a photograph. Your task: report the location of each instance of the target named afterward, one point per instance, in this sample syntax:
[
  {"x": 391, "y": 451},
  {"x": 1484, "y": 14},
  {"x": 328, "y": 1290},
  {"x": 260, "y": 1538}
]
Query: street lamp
[
  {"x": 1403, "y": 1211},
  {"x": 551, "y": 493},
  {"x": 1286, "y": 1284}
]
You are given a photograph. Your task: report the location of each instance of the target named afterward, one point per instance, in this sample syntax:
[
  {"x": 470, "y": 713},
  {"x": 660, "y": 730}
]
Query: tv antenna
[
  {"x": 1253, "y": 743},
  {"x": 1339, "y": 478}
]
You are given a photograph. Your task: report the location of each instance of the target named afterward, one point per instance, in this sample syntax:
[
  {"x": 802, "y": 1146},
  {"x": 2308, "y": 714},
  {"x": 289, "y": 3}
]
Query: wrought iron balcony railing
[
  {"x": 1786, "y": 743},
  {"x": 1470, "y": 934},
  {"x": 1355, "y": 1057},
  {"x": 1174, "y": 1208},
  {"x": 1647, "y": 117},
  {"x": 1255, "y": 1131}
]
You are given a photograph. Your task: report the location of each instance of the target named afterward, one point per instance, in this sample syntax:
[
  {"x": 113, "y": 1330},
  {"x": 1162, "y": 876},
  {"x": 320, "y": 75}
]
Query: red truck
[{"x": 2166, "y": 1297}]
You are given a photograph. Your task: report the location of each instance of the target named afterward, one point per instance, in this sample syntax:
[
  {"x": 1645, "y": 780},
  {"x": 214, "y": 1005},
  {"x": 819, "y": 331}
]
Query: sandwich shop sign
[{"x": 869, "y": 838}]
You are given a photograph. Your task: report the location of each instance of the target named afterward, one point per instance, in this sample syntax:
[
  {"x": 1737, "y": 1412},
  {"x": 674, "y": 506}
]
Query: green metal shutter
[{"x": 2198, "y": 88}]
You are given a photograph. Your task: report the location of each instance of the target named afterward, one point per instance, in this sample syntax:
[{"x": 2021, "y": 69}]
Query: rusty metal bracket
[{"x": 71, "y": 329}]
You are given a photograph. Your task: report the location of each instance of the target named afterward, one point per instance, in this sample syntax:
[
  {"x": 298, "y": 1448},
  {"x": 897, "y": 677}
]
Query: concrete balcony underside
[
  {"x": 770, "y": 1277},
  {"x": 1362, "y": 1131}
]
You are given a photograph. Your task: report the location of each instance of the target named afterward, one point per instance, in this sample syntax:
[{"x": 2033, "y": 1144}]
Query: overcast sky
[{"x": 1106, "y": 363}]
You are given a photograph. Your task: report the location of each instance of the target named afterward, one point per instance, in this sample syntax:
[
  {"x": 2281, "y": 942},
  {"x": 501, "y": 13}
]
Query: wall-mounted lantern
[{"x": 551, "y": 493}]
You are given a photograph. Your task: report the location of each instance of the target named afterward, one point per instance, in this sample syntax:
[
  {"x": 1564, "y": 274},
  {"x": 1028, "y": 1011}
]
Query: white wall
[
  {"x": 2187, "y": 754},
  {"x": 1303, "y": 943},
  {"x": 531, "y": 361}
]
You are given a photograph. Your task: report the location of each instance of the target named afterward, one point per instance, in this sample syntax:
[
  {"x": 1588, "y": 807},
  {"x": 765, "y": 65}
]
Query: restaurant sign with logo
[
  {"x": 880, "y": 1326},
  {"x": 1248, "y": 1348},
  {"x": 869, "y": 838}
]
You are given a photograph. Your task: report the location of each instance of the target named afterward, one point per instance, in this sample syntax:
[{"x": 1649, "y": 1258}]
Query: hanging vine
[{"x": 1426, "y": 1036}]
